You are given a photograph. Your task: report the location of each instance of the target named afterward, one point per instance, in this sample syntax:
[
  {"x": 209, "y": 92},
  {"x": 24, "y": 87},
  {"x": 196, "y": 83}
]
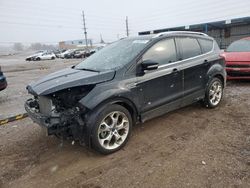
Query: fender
[
  {"x": 215, "y": 70},
  {"x": 100, "y": 96}
]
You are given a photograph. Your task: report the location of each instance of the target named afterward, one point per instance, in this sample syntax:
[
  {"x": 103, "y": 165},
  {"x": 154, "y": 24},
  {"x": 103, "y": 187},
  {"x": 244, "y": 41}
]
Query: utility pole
[
  {"x": 127, "y": 31},
  {"x": 85, "y": 29},
  {"x": 102, "y": 41}
]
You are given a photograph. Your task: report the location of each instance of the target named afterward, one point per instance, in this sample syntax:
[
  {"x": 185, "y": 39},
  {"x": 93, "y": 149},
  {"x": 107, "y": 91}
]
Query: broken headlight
[{"x": 68, "y": 98}]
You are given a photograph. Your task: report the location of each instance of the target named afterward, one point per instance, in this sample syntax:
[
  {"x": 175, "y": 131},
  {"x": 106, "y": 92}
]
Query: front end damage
[{"x": 60, "y": 112}]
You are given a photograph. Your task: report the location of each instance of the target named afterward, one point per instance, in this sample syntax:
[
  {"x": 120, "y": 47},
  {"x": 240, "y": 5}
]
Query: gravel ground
[{"x": 190, "y": 147}]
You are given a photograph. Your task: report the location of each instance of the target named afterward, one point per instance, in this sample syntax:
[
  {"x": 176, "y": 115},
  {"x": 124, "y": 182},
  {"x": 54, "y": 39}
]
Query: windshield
[
  {"x": 114, "y": 56},
  {"x": 239, "y": 46}
]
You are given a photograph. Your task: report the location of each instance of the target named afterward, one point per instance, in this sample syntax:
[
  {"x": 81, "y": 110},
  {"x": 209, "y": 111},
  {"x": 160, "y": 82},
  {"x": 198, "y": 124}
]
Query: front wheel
[
  {"x": 111, "y": 128},
  {"x": 214, "y": 93}
]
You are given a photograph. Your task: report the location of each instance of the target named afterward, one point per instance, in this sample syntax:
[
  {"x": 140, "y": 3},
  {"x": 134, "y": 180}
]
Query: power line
[
  {"x": 71, "y": 14},
  {"x": 39, "y": 5},
  {"x": 198, "y": 7},
  {"x": 211, "y": 19},
  {"x": 186, "y": 13},
  {"x": 199, "y": 22},
  {"x": 60, "y": 26},
  {"x": 39, "y": 25}
]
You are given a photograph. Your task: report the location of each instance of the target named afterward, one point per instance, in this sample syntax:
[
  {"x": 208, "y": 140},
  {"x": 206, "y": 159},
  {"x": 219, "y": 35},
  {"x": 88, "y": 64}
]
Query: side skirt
[{"x": 163, "y": 109}]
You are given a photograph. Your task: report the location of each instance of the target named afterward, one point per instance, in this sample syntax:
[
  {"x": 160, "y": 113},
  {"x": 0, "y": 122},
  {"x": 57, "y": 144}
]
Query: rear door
[{"x": 195, "y": 66}]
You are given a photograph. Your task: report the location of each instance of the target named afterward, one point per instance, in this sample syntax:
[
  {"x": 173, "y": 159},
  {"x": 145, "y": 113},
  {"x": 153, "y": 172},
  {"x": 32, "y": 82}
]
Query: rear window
[
  {"x": 239, "y": 46},
  {"x": 190, "y": 47},
  {"x": 206, "y": 45}
]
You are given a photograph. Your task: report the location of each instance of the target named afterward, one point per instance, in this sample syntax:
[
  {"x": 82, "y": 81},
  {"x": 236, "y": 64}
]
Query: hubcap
[
  {"x": 113, "y": 130},
  {"x": 215, "y": 93}
]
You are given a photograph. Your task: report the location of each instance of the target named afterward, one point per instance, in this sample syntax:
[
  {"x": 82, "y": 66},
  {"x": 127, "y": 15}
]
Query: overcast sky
[{"x": 51, "y": 21}]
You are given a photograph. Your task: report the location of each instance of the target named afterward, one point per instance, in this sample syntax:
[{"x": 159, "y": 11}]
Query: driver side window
[{"x": 162, "y": 52}]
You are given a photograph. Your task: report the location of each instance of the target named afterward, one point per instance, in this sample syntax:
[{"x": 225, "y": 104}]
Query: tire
[
  {"x": 38, "y": 59},
  {"x": 110, "y": 135},
  {"x": 214, "y": 93},
  {"x": 53, "y": 58}
]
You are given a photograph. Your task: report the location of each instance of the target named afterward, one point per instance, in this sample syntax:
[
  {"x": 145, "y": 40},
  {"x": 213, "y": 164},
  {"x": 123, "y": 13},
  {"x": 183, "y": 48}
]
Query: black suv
[{"x": 129, "y": 81}]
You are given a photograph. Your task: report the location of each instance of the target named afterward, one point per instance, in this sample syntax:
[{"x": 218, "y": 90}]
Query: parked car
[
  {"x": 80, "y": 54},
  {"x": 34, "y": 56},
  {"x": 45, "y": 56},
  {"x": 128, "y": 82},
  {"x": 3, "y": 82},
  {"x": 70, "y": 54},
  {"x": 63, "y": 54},
  {"x": 237, "y": 57},
  {"x": 58, "y": 52},
  {"x": 92, "y": 51}
]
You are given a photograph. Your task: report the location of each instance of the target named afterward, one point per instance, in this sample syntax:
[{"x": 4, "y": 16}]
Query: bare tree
[
  {"x": 18, "y": 46},
  {"x": 36, "y": 46},
  {"x": 39, "y": 46}
]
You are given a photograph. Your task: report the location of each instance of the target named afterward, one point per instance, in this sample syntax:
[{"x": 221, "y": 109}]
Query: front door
[{"x": 161, "y": 90}]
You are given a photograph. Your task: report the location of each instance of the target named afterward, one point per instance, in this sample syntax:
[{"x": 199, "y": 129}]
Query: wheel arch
[
  {"x": 219, "y": 76},
  {"x": 123, "y": 101},
  {"x": 217, "y": 71}
]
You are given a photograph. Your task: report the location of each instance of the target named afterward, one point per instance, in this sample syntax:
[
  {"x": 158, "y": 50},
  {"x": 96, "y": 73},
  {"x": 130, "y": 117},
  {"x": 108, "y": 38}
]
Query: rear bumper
[{"x": 3, "y": 83}]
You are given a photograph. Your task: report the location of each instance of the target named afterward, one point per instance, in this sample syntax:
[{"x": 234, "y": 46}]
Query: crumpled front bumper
[{"x": 50, "y": 122}]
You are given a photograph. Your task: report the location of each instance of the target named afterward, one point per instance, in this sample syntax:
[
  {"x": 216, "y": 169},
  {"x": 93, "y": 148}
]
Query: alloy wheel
[
  {"x": 215, "y": 93},
  {"x": 113, "y": 130}
]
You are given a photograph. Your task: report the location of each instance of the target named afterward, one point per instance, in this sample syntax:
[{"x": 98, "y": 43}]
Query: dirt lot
[{"x": 191, "y": 147}]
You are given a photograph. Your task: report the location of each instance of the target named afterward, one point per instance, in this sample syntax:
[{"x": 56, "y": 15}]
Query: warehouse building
[
  {"x": 70, "y": 44},
  {"x": 224, "y": 31}
]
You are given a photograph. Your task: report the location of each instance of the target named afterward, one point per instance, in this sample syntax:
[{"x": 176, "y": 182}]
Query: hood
[
  {"x": 68, "y": 78},
  {"x": 237, "y": 56}
]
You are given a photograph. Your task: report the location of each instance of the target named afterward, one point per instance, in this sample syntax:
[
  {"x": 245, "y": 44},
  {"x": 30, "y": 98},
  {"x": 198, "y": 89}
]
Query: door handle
[
  {"x": 206, "y": 61},
  {"x": 175, "y": 70}
]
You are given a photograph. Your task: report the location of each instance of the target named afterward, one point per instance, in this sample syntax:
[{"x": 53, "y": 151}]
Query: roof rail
[{"x": 179, "y": 32}]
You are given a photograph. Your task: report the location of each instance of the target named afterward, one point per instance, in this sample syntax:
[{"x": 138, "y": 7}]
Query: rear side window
[
  {"x": 190, "y": 47},
  {"x": 206, "y": 45},
  {"x": 162, "y": 52}
]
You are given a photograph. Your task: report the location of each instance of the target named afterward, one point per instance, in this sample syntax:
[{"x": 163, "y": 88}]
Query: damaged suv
[{"x": 132, "y": 80}]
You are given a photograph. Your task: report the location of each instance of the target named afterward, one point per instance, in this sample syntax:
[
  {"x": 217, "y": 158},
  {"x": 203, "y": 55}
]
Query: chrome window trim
[{"x": 168, "y": 64}]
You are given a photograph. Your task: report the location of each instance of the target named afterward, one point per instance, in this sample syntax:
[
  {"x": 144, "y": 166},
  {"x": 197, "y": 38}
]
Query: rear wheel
[
  {"x": 53, "y": 58},
  {"x": 38, "y": 59},
  {"x": 111, "y": 128},
  {"x": 214, "y": 93}
]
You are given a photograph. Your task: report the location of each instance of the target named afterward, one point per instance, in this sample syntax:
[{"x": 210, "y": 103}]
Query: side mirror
[{"x": 149, "y": 65}]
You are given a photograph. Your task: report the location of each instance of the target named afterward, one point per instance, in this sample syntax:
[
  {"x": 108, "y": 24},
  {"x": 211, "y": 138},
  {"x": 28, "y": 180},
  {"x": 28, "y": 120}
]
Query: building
[
  {"x": 74, "y": 43},
  {"x": 224, "y": 31}
]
